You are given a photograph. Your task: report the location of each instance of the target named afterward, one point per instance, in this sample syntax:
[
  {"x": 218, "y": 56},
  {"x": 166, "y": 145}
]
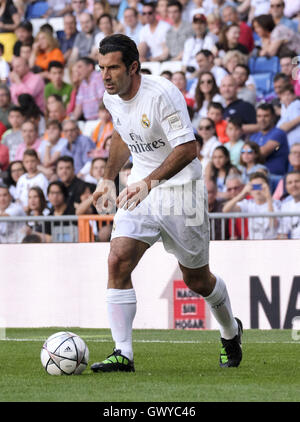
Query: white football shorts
[{"x": 176, "y": 215}]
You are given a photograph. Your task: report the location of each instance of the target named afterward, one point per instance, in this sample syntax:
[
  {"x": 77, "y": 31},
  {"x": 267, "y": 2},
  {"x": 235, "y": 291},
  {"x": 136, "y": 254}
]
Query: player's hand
[
  {"x": 104, "y": 197},
  {"x": 133, "y": 195}
]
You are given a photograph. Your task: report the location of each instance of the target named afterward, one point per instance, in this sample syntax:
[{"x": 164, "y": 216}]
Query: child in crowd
[
  {"x": 12, "y": 138},
  {"x": 103, "y": 128},
  {"x": 251, "y": 160},
  {"x": 31, "y": 178},
  {"x": 261, "y": 202},
  {"x": 235, "y": 143},
  {"x": 215, "y": 113},
  {"x": 57, "y": 84}
]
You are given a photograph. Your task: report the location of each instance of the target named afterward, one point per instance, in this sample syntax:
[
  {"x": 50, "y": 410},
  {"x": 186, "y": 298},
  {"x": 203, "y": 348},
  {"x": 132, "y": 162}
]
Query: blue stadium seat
[
  {"x": 263, "y": 82},
  {"x": 36, "y": 10},
  {"x": 264, "y": 64}
]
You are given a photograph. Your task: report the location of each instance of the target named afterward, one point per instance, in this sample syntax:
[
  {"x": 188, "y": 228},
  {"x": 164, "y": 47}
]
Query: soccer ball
[{"x": 64, "y": 353}]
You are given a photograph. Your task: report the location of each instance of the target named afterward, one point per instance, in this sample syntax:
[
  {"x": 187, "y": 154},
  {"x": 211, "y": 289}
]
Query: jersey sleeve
[{"x": 174, "y": 117}]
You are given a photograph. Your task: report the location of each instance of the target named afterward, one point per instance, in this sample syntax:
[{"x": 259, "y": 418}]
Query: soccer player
[{"x": 151, "y": 123}]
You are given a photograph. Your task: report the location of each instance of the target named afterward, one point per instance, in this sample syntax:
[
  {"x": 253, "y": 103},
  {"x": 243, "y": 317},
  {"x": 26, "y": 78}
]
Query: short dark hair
[
  {"x": 65, "y": 159},
  {"x": 54, "y": 123},
  {"x": 265, "y": 21},
  {"x": 31, "y": 153},
  {"x": 105, "y": 15},
  {"x": 236, "y": 121},
  {"x": 281, "y": 75},
  {"x": 266, "y": 107},
  {"x": 15, "y": 108},
  {"x": 63, "y": 188},
  {"x": 259, "y": 174},
  {"x": 151, "y": 4},
  {"x": 217, "y": 106},
  {"x": 55, "y": 63},
  {"x": 124, "y": 44},
  {"x": 27, "y": 25},
  {"x": 243, "y": 66},
  {"x": 1, "y": 48},
  {"x": 87, "y": 61},
  {"x": 175, "y": 3},
  {"x": 206, "y": 53}
]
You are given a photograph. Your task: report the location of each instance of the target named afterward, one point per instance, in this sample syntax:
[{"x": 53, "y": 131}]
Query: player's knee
[{"x": 199, "y": 281}]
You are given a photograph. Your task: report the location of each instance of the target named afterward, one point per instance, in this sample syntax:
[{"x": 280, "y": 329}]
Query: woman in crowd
[
  {"x": 206, "y": 92},
  {"x": 207, "y": 131},
  {"x": 251, "y": 160},
  {"x": 229, "y": 40},
  {"x": 275, "y": 39},
  {"x": 13, "y": 173},
  {"x": 219, "y": 168},
  {"x": 37, "y": 206},
  {"x": 44, "y": 50}
]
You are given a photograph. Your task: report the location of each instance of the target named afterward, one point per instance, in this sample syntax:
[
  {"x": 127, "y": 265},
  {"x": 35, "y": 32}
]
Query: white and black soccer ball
[{"x": 64, "y": 353}]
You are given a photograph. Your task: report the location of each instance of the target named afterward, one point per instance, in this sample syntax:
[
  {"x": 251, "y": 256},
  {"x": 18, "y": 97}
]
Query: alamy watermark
[{"x": 296, "y": 328}]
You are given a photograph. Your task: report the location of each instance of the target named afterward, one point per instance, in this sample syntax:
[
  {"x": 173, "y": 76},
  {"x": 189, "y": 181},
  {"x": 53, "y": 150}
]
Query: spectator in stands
[
  {"x": 214, "y": 25},
  {"x": 57, "y": 8},
  {"x": 105, "y": 28},
  {"x": 290, "y": 114},
  {"x": 56, "y": 110},
  {"x": 238, "y": 229},
  {"x": 206, "y": 92},
  {"x": 231, "y": 60},
  {"x": 37, "y": 206},
  {"x": 12, "y": 138},
  {"x": 206, "y": 129},
  {"x": 219, "y": 168},
  {"x": 162, "y": 11},
  {"x": 294, "y": 165},
  {"x": 205, "y": 61},
  {"x": 31, "y": 178},
  {"x": 290, "y": 226},
  {"x": 230, "y": 15},
  {"x": 90, "y": 92},
  {"x": 25, "y": 51},
  {"x": 31, "y": 111},
  {"x": 229, "y": 40},
  {"x": 5, "y": 105},
  {"x": 66, "y": 174},
  {"x": 235, "y": 144},
  {"x": 4, "y": 66},
  {"x": 10, "y": 232},
  {"x": 78, "y": 147},
  {"x": 93, "y": 171},
  {"x": 67, "y": 37},
  {"x": 241, "y": 74},
  {"x": 13, "y": 173},
  {"x": 234, "y": 105},
  {"x": 30, "y": 139},
  {"x": 45, "y": 49},
  {"x": 100, "y": 7},
  {"x": 4, "y": 157},
  {"x": 289, "y": 65},
  {"x": 179, "y": 80},
  {"x": 216, "y": 6},
  {"x": 9, "y": 20},
  {"x": 217, "y": 232},
  {"x": 215, "y": 113},
  {"x": 23, "y": 81},
  {"x": 178, "y": 33},
  {"x": 79, "y": 7},
  {"x": 251, "y": 161},
  {"x": 103, "y": 128},
  {"x": 57, "y": 84},
  {"x": 50, "y": 149},
  {"x": 75, "y": 82},
  {"x": 24, "y": 36},
  {"x": 152, "y": 35},
  {"x": 272, "y": 142},
  {"x": 277, "y": 13},
  {"x": 275, "y": 39},
  {"x": 200, "y": 40},
  {"x": 85, "y": 39},
  {"x": 261, "y": 202},
  {"x": 132, "y": 26}
]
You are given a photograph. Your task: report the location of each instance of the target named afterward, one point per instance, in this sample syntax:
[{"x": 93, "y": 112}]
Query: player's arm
[
  {"x": 118, "y": 155},
  {"x": 179, "y": 158}
]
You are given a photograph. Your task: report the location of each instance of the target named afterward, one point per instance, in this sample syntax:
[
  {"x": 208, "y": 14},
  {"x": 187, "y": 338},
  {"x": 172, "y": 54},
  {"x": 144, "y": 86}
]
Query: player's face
[{"x": 116, "y": 78}]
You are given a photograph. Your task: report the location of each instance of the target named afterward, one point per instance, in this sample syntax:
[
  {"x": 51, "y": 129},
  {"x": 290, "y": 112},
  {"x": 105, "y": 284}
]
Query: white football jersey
[{"x": 152, "y": 123}]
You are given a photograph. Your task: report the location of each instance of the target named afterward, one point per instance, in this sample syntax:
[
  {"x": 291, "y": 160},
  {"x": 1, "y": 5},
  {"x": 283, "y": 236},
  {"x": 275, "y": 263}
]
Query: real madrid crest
[{"x": 145, "y": 121}]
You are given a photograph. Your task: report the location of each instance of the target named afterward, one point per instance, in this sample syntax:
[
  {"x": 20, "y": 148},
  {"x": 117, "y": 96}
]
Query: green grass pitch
[{"x": 171, "y": 366}]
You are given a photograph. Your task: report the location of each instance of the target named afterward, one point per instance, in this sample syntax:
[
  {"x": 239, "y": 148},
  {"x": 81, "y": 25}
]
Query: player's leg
[
  {"x": 124, "y": 255},
  {"x": 213, "y": 290}
]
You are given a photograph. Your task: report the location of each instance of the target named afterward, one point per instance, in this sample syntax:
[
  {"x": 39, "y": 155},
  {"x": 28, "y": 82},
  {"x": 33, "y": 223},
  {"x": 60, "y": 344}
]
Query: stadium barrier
[
  {"x": 84, "y": 228},
  {"x": 61, "y": 285}
]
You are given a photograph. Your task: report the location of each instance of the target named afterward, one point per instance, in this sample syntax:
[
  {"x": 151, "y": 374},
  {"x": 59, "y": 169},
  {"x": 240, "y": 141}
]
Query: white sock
[
  {"x": 219, "y": 304},
  {"x": 121, "y": 306}
]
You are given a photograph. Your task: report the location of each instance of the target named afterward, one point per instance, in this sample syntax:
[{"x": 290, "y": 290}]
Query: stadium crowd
[{"x": 235, "y": 62}]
